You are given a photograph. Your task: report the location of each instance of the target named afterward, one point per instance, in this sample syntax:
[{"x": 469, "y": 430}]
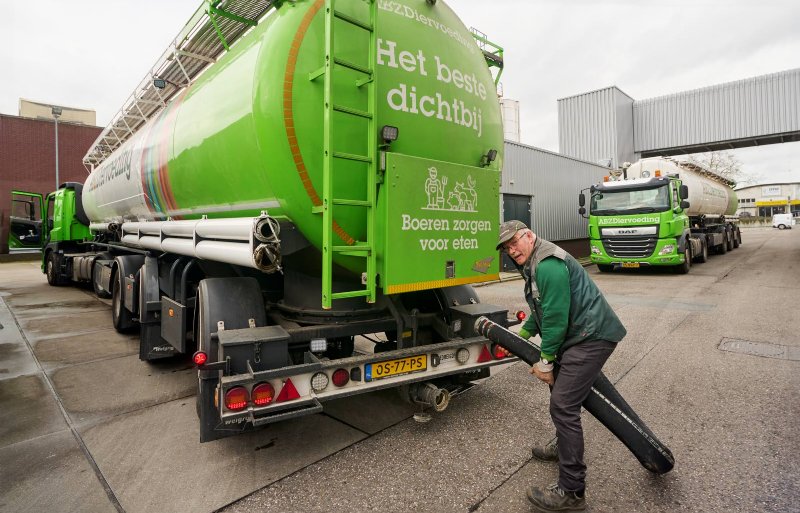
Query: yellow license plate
[
  {"x": 630, "y": 264},
  {"x": 398, "y": 367}
]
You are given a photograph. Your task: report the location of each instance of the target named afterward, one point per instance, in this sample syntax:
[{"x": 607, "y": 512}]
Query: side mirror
[
  {"x": 684, "y": 203},
  {"x": 582, "y": 211},
  {"x": 684, "y": 192},
  {"x": 581, "y": 200}
]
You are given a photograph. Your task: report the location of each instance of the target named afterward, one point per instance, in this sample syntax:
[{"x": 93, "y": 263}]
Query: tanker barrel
[{"x": 604, "y": 402}]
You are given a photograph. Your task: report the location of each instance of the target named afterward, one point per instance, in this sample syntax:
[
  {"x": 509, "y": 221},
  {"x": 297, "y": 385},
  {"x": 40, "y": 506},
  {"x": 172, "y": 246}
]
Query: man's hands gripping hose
[{"x": 541, "y": 371}]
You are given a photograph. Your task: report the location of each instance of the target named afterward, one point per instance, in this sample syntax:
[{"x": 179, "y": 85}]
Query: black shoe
[
  {"x": 552, "y": 498},
  {"x": 547, "y": 452}
]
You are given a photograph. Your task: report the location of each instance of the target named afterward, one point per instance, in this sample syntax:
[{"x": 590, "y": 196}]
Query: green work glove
[{"x": 524, "y": 333}]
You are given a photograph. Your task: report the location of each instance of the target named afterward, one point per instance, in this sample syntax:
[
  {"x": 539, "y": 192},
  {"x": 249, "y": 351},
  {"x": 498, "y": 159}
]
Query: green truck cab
[
  {"x": 66, "y": 229},
  {"x": 660, "y": 213}
]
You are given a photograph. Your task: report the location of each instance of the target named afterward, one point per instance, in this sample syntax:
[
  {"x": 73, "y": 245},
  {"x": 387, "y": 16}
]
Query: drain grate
[{"x": 764, "y": 349}]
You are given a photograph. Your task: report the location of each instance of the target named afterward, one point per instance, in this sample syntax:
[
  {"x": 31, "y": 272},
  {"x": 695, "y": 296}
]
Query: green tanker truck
[
  {"x": 659, "y": 212},
  {"x": 290, "y": 176}
]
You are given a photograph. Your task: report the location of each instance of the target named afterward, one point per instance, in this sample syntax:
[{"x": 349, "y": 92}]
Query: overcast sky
[{"x": 92, "y": 53}]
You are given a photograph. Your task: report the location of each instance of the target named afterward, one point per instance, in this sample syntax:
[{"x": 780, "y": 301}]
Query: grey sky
[{"x": 92, "y": 53}]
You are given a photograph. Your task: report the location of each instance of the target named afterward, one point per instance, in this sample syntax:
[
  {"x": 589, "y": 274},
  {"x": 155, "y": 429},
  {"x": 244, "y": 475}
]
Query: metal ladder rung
[
  {"x": 349, "y": 19},
  {"x": 352, "y": 293},
  {"x": 352, "y": 202},
  {"x": 355, "y": 112},
  {"x": 358, "y": 247},
  {"x": 351, "y": 156},
  {"x": 352, "y": 66}
]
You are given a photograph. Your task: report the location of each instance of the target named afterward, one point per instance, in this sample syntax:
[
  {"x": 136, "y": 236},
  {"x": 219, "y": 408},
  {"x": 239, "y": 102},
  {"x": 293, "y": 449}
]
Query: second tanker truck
[
  {"x": 660, "y": 212},
  {"x": 290, "y": 176}
]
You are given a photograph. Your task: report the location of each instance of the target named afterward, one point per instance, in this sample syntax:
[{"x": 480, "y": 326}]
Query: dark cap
[{"x": 508, "y": 230}]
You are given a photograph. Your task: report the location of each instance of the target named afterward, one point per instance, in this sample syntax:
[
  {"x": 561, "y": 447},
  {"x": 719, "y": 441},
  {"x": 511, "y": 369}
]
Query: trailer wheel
[
  {"x": 703, "y": 256},
  {"x": 121, "y": 316},
  {"x": 52, "y": 268},
  {"x": 605, "y": 268},
  {"x": 736, "y": 237},
  {"x": 781, "y": 227},
  {"x": 722, "y": 248},
  {"x": 729, "y": 239}
]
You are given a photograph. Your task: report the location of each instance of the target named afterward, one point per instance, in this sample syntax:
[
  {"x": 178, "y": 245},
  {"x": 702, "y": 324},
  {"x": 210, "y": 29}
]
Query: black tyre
[
  {"x": 605, "y": 268},
  {"x": 723, "y": 248},
  {"x": 120, "y": 316},
  {"x": 781, "y": 227},
  {"x": 736, "y": 237},
  {"x": 53, "y": 269},
  {"x": 687, "y": 262},
  {"x": 703, "y": 256},
  {"x": 729, "y": 239}
]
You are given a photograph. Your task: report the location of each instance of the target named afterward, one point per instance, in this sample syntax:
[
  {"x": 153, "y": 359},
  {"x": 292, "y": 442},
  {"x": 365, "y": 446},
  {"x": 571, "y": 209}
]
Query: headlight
[
  {"x": 667, "y": 249},
  {"x": 596, "y": 250}
]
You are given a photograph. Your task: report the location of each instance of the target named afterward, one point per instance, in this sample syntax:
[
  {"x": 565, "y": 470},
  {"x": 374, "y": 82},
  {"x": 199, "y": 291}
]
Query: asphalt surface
[{"x": 710, "y": 363}]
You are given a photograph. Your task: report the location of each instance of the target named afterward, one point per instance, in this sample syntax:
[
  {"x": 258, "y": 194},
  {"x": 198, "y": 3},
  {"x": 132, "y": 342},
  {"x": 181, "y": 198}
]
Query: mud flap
[{"x": 604, "y": 402}]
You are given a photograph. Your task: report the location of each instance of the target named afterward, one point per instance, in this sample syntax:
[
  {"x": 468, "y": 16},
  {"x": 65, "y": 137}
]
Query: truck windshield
[{"x": 636, "y": 201}]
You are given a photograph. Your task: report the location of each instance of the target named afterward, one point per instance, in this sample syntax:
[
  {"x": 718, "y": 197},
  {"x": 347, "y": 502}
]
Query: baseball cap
[{"x": 508, "y": 230}]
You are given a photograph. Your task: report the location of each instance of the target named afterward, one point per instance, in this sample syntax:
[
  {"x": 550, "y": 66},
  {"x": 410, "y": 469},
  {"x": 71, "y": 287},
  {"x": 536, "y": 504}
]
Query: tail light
[
  {"x": 236, "y": 398},
  {"x": 499, "y": 354},
  {"x": 200, "y": 358},
  {"x": 521, "y": 316},
  {"x": 319, "y": 382},
  {"x": 485, "y": 355},
  {"x": 340, "y": 377},
  {"x": 263, "y": 394}
]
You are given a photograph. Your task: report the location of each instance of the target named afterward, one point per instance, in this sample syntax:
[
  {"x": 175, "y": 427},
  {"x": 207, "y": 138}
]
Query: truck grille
[{"x": 630, "y": 247}]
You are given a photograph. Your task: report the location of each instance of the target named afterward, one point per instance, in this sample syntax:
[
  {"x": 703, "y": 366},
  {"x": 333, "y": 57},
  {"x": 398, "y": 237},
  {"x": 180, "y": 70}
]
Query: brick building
[{"x": 27, "y": 159}]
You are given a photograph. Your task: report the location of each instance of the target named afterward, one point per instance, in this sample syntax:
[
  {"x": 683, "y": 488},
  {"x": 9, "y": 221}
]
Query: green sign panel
[{"x": 441, "y": 224}]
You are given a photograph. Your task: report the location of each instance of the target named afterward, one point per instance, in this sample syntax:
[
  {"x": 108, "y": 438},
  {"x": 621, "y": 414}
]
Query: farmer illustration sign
[{"x": 462, "y": 197}]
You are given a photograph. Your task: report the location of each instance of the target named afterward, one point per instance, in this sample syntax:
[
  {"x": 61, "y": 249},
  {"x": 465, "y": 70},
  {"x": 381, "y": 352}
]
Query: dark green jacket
[{"x": 566, "y": 306}]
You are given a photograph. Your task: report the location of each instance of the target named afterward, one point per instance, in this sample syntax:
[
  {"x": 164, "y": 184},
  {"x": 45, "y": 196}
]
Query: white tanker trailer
[{"x": 661, "y": 212}]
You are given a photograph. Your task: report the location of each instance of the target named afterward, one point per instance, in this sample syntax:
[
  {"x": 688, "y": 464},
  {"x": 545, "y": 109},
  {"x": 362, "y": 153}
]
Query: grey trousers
[{"x": 579, "y": 366}]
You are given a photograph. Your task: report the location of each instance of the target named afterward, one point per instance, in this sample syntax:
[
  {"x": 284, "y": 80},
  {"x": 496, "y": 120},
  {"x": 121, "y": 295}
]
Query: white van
[{"x": 782, "y": 221}]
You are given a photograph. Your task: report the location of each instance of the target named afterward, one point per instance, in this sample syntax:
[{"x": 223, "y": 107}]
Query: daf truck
[{"x": 659, "y": 212}]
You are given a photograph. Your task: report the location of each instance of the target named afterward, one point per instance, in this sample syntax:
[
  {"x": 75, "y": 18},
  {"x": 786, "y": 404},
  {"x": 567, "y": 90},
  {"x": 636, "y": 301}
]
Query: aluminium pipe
[{"x": 604, "y": 402}]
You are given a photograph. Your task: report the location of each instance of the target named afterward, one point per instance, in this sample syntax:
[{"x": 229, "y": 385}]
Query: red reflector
[
  {"x": 340, "y": 377},
  {"x": 485, "y": 355},
  {"x": 263, "y": 394},
  {"x": 498, "y": 353},
  {"x": 236, "y": 398},
  {"x": 521, "y": 316},
  {"x": 288, "y": 392},
  {"x": 200, "y": 358}
]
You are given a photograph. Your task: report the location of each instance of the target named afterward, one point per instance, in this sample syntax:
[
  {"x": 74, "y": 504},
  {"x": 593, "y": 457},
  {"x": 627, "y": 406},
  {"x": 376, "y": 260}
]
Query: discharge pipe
[
  {"x": 604, "y": 402},
  {"x": 428, "y": 394}
]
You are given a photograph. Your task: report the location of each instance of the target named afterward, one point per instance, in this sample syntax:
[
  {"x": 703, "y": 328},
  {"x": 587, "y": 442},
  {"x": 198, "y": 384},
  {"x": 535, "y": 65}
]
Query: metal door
[{"x": 518, "y": 207}]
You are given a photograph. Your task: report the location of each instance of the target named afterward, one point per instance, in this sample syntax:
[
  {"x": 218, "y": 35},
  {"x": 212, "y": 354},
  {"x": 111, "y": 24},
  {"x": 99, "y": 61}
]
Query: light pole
[{"x": 56, "y": 113}]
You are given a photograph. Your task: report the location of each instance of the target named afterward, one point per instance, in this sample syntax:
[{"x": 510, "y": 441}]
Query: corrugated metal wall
[
  {"x": 554, "y": 182},
  {"x": 745, "y": 109},
  {"x": 597, "y": 126}
]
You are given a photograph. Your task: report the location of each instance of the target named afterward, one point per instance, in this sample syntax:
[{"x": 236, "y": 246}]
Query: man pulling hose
[{"x": 579, "y": 330}]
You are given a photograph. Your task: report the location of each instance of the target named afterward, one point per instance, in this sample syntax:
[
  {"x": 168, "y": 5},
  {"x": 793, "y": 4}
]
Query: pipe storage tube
[{"x": 604, "y": 402}]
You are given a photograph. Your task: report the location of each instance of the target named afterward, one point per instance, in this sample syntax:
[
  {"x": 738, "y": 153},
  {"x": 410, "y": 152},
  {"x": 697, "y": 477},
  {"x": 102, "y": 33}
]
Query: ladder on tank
[{"x": 333, "y": 159}]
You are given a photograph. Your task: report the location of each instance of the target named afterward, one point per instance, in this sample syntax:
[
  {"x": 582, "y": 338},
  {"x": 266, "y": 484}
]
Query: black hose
[{"x": 604, "y": 402}]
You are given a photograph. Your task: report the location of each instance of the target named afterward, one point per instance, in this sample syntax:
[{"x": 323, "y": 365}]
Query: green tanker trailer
[{"x": 332, "y": 172}]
